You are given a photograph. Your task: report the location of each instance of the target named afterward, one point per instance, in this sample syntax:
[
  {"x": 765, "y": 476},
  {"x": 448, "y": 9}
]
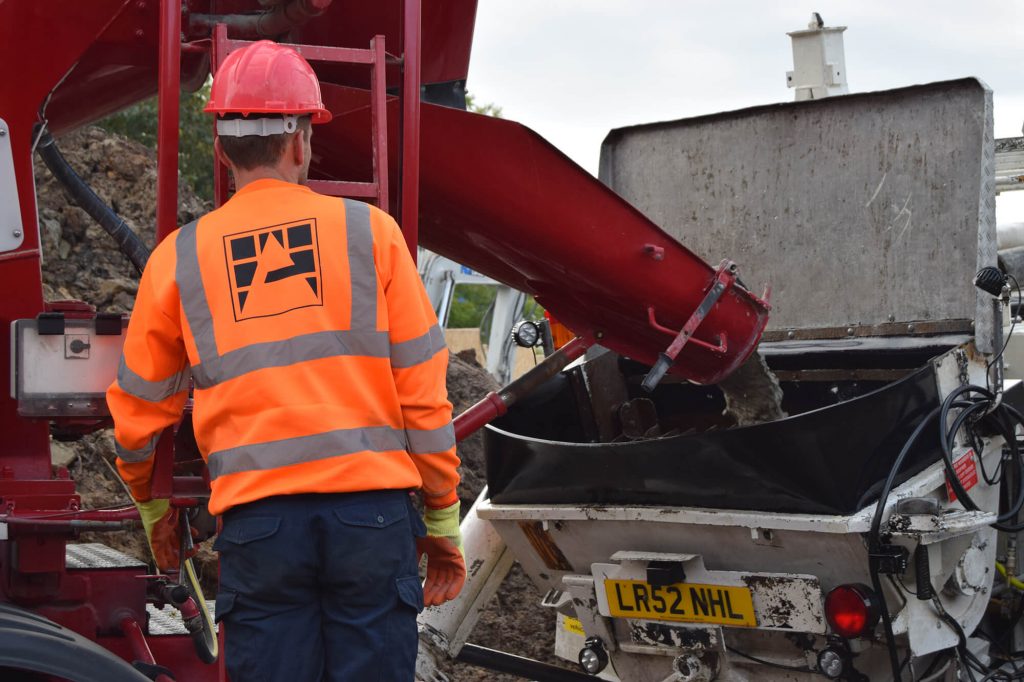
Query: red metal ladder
[{"x": 374, "y": 57}]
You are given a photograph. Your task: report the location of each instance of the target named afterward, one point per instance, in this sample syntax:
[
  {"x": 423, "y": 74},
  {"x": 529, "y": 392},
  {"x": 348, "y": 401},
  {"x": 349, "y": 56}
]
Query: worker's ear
[
  {"x": 298, "y": 148},
  {"x": 218, "y": 152}
]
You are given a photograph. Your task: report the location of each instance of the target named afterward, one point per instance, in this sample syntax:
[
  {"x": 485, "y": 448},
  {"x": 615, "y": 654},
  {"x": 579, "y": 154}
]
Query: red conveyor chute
[{"x": 500, "y": 199}]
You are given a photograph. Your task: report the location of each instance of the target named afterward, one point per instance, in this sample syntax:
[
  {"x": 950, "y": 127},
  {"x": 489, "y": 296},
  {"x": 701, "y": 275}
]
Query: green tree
[
  {"x": 489, "y": 109},
  {"x": 470, "y": 303},
  {"x": 195, "y": 146}
]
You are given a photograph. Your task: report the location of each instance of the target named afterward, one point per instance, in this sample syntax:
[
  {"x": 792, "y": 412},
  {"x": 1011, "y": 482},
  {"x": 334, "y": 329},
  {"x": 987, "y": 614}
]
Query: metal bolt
[
  {"x": 849, "y": 330},
  {"x": 17, "y": 234},
  {"x": 688, "y": 667},
  {"x": 892, "y": 318},
  {"x": 3, "y": 131},
  {"x": 910, "y": 328},
  {"x": 791, "y": 334}
]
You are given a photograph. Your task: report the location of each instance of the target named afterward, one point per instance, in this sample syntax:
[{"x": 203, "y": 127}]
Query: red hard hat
[{"x": 266, "y": 78}]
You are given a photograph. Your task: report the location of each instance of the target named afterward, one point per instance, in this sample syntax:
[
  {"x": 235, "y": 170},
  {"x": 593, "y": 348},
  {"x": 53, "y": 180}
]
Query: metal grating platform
[
  {"x": 93, "y": 555},
  {"x": 167, "y": 621}
]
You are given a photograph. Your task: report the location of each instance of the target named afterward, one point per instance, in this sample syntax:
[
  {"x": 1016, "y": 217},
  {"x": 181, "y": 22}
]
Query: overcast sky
[{"x": 574, "y": 69}]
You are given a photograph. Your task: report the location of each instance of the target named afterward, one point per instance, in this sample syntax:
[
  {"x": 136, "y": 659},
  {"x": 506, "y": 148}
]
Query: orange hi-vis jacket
[{"x": 317, "y": 361}]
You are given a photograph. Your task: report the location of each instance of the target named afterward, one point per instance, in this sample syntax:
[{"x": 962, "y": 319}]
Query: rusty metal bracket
[{"x": 725, "y": 277}]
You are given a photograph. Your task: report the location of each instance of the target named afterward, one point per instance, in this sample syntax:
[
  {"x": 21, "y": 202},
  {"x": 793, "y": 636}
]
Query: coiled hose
[{"x": 129, "y": 242}]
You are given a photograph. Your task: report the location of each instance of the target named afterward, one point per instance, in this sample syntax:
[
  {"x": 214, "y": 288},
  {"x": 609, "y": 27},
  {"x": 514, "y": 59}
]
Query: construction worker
[{"x": 319, "y": 399}]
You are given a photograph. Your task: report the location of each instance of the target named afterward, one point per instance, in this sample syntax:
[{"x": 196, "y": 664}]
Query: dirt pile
[
  {"x": 513, "y": 621},
  {"x": 80, "y": 261},
  {"x": 468, "y": 382}
]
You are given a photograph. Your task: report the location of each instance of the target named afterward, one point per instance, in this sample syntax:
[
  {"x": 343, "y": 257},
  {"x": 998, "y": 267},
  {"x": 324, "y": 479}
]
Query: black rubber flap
[{"x": 828, "y": 461}]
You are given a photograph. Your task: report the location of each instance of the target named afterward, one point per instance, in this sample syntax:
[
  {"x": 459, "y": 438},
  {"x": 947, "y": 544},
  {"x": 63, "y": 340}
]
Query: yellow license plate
[{"x": 683, "y": 602}]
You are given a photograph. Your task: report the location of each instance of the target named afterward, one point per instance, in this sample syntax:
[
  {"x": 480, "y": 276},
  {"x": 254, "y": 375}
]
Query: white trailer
[{"x": 854, "y": 539}]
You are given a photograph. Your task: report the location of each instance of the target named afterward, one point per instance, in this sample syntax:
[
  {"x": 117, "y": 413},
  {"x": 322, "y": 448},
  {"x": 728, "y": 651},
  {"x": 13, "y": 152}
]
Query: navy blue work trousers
[{"x": 320, "y": 588}]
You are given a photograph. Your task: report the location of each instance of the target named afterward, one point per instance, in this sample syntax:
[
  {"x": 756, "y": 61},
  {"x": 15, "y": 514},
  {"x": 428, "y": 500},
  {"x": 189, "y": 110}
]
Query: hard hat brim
[{"x": 318, "y": 115}]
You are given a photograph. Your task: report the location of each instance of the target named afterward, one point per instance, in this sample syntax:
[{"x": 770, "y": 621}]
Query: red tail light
[{"x": 852, "y": 610}]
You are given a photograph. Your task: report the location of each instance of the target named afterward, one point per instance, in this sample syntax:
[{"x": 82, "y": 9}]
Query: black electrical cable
[
  {"x": 896, "y": 586},
  {"x": 874, "y": 543},
  {"x": 1005, "y": 418},
  {"x": 755, "y": 659},
  {"x": 974, "y": 404},
  {"x": 1006, "y": 342},
  {"x": 82, "y": 194},
  {"x": 999, "y": 640},
  {"x": 971, "y": 662}
]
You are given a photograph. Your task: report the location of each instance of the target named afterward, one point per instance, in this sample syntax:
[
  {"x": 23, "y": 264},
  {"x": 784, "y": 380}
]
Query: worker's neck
[{"x": 244, "y": 177}]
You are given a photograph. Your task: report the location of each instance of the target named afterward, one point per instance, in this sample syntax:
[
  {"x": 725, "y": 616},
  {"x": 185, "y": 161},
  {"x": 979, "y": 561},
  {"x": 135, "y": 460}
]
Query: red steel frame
[
  {"x": 167, "y": 118},
  {"x": 42, "y": 510},
  {"x": 410, "y": 206}
]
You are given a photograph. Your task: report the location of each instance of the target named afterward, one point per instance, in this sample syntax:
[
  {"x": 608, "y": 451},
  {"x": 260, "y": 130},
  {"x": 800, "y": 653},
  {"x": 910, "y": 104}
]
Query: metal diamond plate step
[
  {"x": 93, "y": 555},
  {"x": 167, "y": 621}
]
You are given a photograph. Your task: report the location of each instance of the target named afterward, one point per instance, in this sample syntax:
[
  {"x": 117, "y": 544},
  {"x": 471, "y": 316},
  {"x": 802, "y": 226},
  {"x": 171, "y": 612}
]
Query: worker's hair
[{"x": 254, "y": 151}]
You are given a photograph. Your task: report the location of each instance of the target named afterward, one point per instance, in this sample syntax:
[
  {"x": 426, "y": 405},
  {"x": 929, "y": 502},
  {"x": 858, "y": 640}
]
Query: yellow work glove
[
  {"x": 161, "y": 523},
  {"x": 446, "y": 566}
]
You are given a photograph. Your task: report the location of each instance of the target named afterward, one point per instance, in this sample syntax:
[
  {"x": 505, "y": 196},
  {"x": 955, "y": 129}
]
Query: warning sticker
[
  {"x": 966, "y": 472},
  {"x": 573, "y": 625}
]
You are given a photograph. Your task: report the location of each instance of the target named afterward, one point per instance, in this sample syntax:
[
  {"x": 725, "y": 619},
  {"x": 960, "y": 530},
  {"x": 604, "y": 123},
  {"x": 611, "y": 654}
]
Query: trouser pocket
[
  {"x": 268, "y": 604},
  {"x": 225, "y": 605},
  {"x": 410, "y": 592}
]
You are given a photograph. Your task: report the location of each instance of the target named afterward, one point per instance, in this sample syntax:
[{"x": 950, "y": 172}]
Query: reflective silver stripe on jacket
[
  {"x": 193, "y": 293},
  {"x": 153, "y": 391},
  {"x": 139, "y": 455},
  {"x": 281, "y": 453},
  {"x": 361, "y": 340},
  {"x": 361, "y": 267},
  {"x": 426, "y": 442},
  {"x": 315, "y": 346},
  {"x": 420, "y": 349}
]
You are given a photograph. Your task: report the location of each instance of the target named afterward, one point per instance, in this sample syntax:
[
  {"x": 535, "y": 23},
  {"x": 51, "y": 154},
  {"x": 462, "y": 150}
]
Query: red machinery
[{"x": 486, "y": 192}]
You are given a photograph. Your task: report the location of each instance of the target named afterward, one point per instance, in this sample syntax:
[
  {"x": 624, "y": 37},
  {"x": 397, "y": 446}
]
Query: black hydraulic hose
[{"x": 82, "y": 194}]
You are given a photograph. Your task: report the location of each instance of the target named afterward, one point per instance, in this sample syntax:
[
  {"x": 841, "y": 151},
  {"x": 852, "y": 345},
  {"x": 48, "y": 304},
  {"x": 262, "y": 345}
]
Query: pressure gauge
[{"x": 526, "y": 334}]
